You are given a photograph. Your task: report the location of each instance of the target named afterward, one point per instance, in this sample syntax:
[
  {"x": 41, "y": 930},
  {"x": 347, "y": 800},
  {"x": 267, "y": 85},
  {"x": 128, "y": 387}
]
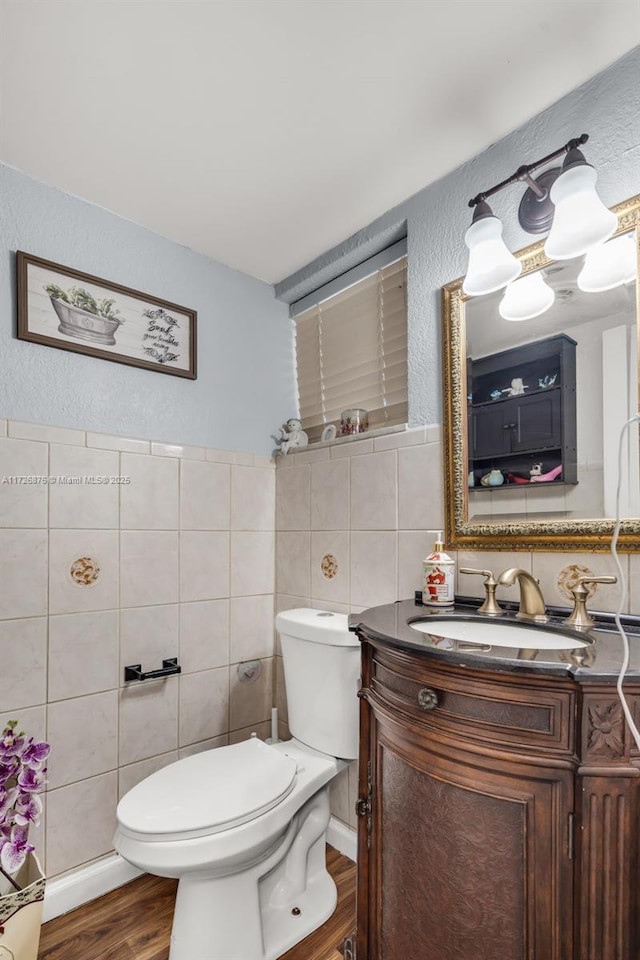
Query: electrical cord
[{"x": 623, "y": 594}]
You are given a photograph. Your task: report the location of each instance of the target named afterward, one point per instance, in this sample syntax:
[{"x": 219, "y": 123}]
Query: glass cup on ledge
[{"x": 353, "y": 421}]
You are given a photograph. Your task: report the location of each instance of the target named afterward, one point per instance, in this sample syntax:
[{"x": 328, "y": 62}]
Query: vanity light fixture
[
  {"x": 526, "y": 298},
  {"x": 609, "y": 265},
  {"x": 561, "y": 198}
]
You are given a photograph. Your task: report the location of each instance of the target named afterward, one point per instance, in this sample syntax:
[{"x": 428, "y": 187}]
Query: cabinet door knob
[{"x": 427, "y": 698}]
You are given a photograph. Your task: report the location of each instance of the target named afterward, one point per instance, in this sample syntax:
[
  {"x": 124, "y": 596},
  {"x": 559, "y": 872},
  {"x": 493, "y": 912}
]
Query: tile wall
[
  {"x": 374, "y": 507},
  {"x": 177, "y": 559}
]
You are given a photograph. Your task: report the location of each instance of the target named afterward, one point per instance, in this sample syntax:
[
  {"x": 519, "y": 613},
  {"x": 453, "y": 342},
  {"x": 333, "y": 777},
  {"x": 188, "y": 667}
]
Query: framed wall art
[{"x": 71, "y": 310}]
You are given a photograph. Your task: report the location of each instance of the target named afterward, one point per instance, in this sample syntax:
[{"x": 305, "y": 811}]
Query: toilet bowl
[{"x": 243, "y": 827}]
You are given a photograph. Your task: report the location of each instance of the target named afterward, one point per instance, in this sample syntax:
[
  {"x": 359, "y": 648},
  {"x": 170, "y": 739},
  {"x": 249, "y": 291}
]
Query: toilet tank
[{"x": 322, "y": 674}]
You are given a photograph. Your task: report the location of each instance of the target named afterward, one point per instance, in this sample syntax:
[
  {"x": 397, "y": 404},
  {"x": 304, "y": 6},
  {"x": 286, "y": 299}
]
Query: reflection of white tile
[
  {"x": 633, "y": 604},
  {"x": 293, "y": 551},
  {"x": 293, "y": 496},
  {"x": 79, "y": 498},
  {"x": 148, "y": 635},
  {"x": 374, "y": 567},
  {"x": 204, "y": 705},
  {"x": 150, "y": 500},
  {"x": 86, "y": 639},
  {"x": 252, "y": 563},
  {"x": 23, "y": 504},
  {"x": 23, "y": 655},
  {"x": 253, "y": 498},
  {"x": 374, "y": 492},
  {"x": 148, "y": 567},
  {"x": 88, "y": 833},
  {"x": 204, "y": 635},
  {"x": 204, "y": 495},
  {"x": 330, "y": 495},
  {"x": 335, "y": 544},
  {"x": 100, "y": 548},
  {"x": 83, "y": 734},
  {"x": 251, "y": 627},
  {"x": 587, "y": 498},
  {"x": 204, "y": 565},
  {"x": 148, "y": 719},
  {"x": 23, "y": 573}
]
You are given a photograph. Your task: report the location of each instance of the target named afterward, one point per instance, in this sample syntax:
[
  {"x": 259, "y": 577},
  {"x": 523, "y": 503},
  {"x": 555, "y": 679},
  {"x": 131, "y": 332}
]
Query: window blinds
[{"x": 352, "y": 352}]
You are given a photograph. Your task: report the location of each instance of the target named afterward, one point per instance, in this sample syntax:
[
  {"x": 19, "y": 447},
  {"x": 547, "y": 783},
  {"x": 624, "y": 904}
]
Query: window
[{"x": 352, "y": 351}]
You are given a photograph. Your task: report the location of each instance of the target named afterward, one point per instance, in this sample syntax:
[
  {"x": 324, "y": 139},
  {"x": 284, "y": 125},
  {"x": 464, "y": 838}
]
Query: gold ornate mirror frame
[{"x": 462, "y": 534}]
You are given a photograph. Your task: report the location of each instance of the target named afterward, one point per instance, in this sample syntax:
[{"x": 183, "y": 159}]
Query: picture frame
[{"x": 72, "y": 310}]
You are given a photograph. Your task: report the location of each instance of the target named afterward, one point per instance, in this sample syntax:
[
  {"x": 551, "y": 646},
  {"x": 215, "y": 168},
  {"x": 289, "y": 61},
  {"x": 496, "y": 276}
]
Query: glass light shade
[
  {"x": 609, "y": 265},
  {"x": 491, "y": 265},
  {"x": 526, "y": 298},
  {"x": 581, "y": 219}
]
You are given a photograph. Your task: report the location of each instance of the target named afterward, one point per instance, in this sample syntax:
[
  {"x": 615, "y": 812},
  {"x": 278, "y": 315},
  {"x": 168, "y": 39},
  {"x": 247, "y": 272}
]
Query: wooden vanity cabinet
[{"x": 472, "y": 803}]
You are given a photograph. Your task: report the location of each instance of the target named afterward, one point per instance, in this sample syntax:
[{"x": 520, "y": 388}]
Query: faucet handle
[
  {"x": 579, "y": 617},
  {"x": 490, "y": 607}
]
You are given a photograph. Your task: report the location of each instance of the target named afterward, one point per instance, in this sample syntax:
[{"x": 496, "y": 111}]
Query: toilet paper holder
[{"x": 169, "y": 667}]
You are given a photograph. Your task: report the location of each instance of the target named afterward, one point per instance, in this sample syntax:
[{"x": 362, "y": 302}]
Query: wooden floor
[{"x": 134, "y": 923}]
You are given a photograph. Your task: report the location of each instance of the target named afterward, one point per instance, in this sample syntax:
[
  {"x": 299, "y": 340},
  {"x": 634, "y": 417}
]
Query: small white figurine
[
  {"x": 536, "y": 470},
  {"x": 292, "y": 435},
  {"x": 517, "y": 388}
]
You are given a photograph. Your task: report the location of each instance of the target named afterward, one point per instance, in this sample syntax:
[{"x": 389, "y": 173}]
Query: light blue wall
[
  {"x": 245, "y": 387},
  {"x": 607, "y": 108}
]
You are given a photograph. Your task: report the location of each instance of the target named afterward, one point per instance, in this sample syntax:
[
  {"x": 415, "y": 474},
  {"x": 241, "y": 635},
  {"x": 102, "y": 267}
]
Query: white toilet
[{"x": 243, "y": 827}]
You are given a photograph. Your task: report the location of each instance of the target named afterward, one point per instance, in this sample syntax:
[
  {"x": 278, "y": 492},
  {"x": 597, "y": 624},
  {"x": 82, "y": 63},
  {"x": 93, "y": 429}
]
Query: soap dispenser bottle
[{"x": 438, "y": 579}]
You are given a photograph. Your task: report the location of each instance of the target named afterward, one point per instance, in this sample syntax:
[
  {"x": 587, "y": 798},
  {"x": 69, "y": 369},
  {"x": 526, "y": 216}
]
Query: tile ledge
[{"x": 353, "y": 438}]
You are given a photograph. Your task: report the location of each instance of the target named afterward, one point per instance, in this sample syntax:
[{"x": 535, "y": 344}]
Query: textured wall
[
  {"x": 607, "y": 108},
  {"x": 245, "y": 385}
]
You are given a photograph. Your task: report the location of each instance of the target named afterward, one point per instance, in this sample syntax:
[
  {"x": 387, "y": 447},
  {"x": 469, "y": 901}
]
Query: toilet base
[{"x": 259, "y": 913}]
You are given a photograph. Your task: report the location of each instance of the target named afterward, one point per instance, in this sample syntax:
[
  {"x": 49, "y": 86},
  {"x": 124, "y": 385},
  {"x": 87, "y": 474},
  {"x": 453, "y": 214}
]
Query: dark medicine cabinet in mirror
[{"x": 533, "y": 411}]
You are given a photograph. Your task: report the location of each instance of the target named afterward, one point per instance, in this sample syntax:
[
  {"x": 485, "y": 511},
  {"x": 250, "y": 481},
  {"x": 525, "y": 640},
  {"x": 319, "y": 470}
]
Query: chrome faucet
[{"x": 531, "y": 600}]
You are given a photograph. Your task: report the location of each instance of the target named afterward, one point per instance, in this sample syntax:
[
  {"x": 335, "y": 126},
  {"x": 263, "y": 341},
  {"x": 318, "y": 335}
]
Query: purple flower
[
  {"x": 9, "y": 768},
  {"x": 28, "y": 809},
  {"x": 35, "y": 754},
  {"x": 7, "y": 798},
  {"x": 14, "y": 851},
  {"x": 30, "y": 780},
  {"x": 11, "y": 743}
]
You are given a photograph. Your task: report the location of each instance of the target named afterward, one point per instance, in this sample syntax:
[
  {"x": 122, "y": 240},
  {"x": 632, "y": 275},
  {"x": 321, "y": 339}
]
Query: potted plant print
[{"x": 22, "y": 778}]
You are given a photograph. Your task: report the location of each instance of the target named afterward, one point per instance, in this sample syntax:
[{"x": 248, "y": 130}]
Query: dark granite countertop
[{"x": 599, "y": 661}]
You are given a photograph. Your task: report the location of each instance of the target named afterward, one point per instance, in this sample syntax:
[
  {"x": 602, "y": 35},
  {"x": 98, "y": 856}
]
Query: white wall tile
[
  {"x": 353, "y": 448},
  {"x": 251, "y": 628},
  {"x": 413, "y": 547},
  {"x": 293, "y": 563},
  {"x": 220, "y": 456},
  {"x": 293, "y": 498},
  {"x": 421, "y": 490},
  {"x": 33, "y": 720},
  {"x": 148, "y": 635},
  {"x": 374, "y": 492},
  {"x": 134, "y": 773},
  {"x": 105, "y": 441},
  {"x": 23, "y": 504},
  {"x": 3, "y": 428},
  {"x": 96, "y": 547},
  {"x": 83, "y": 734},
  {"x": 330, "y": 495},
  {"x": 83, "y": 503},
  {"x": 253, "y": 498},
  {"x": 83, "y": 654},
  {"x": 339, "y": 796},
  {"x": 211, "y": 744},
  {"x": 150, "y": 501},
  {"x": 374, "y": 567},
  {"x": 204, "y": 705},
  {"x": 88, "y": 833},
  {"x": 261, "y": 730},
  {"x": 148, "y": 719},
  {"x": 471, "y": 585},
  {"x": 177, "y": 450},
  {"x": 23, "y": 573},
  {"x": 36, "y": 431},
  {"x": 252, "y": 563},
  {"x": 250, "y": 703},
  {"x": 148, "y": 567},
  {"x": 23, "y": 655},
  {"x": 557, "y": 572},
  {"x": 204, "y": 495},
  {"x": 204, "y": 635},
  {"x": 633, "y": 585},
  {"x": 334, "y": 543},
  {"x": 204, "y": 565},
  {"x": 404, "y": 438}
]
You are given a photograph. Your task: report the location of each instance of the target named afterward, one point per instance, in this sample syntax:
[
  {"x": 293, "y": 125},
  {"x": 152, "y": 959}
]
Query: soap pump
[{"x": 438, "y": 579}]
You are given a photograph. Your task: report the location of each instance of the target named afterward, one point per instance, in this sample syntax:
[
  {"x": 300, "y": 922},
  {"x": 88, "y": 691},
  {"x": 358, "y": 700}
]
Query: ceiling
[{"x": 263, "y": 132}]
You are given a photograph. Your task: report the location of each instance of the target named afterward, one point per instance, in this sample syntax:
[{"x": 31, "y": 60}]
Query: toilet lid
[{"x": 208, "y": 792}]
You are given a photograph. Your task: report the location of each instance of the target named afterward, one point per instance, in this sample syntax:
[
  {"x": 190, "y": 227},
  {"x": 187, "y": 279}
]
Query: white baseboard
[
  {"x": 85, "y": 884},
  {"x": 343, "y": 838},
  {"x": 96, "y": 879}
]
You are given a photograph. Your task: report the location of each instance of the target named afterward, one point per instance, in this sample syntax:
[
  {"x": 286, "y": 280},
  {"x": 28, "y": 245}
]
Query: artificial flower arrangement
[{"x": 22, "y": 777}]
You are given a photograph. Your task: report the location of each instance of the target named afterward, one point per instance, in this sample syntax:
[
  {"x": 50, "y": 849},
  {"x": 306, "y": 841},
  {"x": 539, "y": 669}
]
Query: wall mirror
[{"x": 533, "y": 408}]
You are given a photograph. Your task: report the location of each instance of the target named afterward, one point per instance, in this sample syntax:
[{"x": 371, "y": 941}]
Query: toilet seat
[{"x": 208, "y": 793}]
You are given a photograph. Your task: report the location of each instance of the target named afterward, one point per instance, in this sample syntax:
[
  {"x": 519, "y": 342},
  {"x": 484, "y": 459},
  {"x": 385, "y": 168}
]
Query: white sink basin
[{"x": 498, "y": 633}]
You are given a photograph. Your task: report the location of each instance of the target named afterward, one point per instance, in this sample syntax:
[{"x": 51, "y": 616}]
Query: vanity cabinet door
[{"x": 469, "y": 855}]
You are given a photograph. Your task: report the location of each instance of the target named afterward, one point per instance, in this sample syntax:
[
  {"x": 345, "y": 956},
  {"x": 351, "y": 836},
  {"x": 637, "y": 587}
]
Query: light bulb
[
  {"x": 491, "y": 265},
  {"x": 581, "y": 219},
  {"x": 609, "y": 265},
  {"x": 526, "y": 298}
]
